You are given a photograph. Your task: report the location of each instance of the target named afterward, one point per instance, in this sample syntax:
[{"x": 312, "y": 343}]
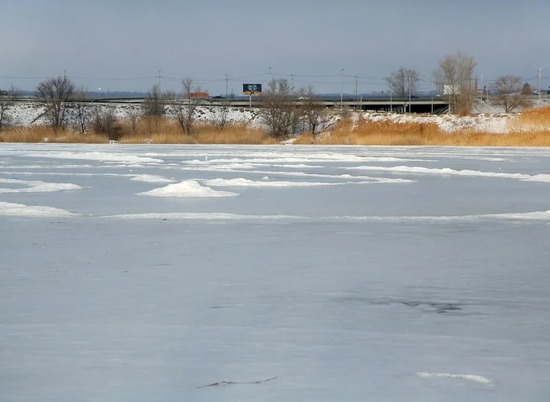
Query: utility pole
[
  {"x": 292, "y": 82},
  {"x": 341, "y": 89},
  {"x": 226, "y": 84},
  {"x": 158, "y": 76},
  {"x": 355, "y": 104},
  {"x": 409, "y": 79},
  {"x": 432, "y": 91}
]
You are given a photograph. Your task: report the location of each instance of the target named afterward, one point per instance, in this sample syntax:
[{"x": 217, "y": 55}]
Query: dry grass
[
  {"x": 169, "y": 132},
  {"x": 530, "y": 128},
  {"x": 47, "y": 134},
  {"x": 387, "y": 132},
  {"x": 161, "y": 131},
  {"x": 538, "y": 119}
]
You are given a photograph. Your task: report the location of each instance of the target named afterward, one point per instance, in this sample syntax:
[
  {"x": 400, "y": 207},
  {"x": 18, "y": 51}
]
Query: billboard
[{"x": 252, "y": 89}]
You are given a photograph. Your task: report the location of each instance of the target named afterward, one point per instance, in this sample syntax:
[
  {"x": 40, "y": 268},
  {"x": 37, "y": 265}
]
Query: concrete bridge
[{"x": 434, "y": 105}]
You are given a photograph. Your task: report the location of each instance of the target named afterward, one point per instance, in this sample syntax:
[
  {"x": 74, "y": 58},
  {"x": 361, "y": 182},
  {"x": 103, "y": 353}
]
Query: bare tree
[
  {"x": 132, "y": 116},
  {"x": 403, "y": 82},
  {"x": 81, "y": 109},
  {"x": 153, "y": 107},
  {"x": 183, "y": 107},
  {"x": 455, "y": 77},
  {"x": 222, "y": 115},
  {"x": 509, "y": 94},
  {"x": 56, "y": 94},
  {"x": 279, "y": 111},
  {"x": 311, "y": 109},
  {"x": 7, "y": 101}
]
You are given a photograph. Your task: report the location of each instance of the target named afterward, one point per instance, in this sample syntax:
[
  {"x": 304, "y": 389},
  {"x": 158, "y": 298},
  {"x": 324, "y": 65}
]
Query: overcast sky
[{"x": 126, "y": 44}]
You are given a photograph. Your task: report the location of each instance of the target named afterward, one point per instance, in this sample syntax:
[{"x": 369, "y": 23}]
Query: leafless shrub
[
  {"x": 279, "y": 111},
  {"x": 104, "y": 121},
  {"x": 81, "y": 109},
  {"x": 56, "y": 94},
  {"x": 153, "y": 108},
  {"x": 132, "y": 115},
  {"x": 510, "y": 93},
  {"x": 7, "y": 101},
  {"x": 183, "y": 106},
  {"x": 311, "y": 110}
]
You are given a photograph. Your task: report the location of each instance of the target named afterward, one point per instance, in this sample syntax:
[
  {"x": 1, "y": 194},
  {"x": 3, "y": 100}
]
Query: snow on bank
[
  {"x": 22, "y": 210},
  {"x": 32, "y": 113},
  {"x": 187, "y": 188},
  {"x": 492, "y": 123}
]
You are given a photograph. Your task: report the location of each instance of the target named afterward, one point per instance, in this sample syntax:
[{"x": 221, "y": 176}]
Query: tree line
[
  {"x": 285, "y": 109},
  {"x": 455, "y": 79}
]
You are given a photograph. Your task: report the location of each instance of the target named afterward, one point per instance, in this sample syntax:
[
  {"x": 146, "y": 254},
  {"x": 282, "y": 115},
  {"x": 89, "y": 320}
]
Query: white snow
[
  {"x": 151, "y": 178},
  {"x": 187, "y": 188},
  {"x": 467, "y": 377},
  {"x": 242, "y": 182},
  {"x": 33, "y": 186},
  {"x": 543, "y": 178},
  {"x": 96, "y": 156},
  {"x": 215, "y": 216},
  {"x": 14, "y": 209}
]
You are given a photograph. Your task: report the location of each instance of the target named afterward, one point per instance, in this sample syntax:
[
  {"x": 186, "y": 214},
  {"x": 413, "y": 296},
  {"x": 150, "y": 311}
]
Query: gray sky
[{"x": 123, "y": 44}]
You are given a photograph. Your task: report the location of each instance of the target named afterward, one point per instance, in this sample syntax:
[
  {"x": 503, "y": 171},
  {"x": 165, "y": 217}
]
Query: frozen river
[{"x": 145, "y": 273}]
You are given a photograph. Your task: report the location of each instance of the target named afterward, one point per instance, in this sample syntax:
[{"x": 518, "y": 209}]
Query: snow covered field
[{"x": 145, "y": 273}]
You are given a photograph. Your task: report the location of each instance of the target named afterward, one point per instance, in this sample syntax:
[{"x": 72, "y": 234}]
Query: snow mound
[
  {"x": 12, "y": 209},
  {"x": 25, "y": 186},
  {"x": 187, "y": 188},
  {"x": 467, "y": 377}
]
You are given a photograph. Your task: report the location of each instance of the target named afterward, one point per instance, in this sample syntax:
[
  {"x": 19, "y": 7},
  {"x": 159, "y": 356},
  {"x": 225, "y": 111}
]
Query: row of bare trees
[
  {"x": 284, "y": 111},
  {"x": 455, "y": 79},
  {"x": 64, "y": 102}
]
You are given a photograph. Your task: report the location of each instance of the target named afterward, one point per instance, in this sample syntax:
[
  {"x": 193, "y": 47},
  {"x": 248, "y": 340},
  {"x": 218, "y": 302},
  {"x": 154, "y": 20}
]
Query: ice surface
[{"x": 409, "y": 284}]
